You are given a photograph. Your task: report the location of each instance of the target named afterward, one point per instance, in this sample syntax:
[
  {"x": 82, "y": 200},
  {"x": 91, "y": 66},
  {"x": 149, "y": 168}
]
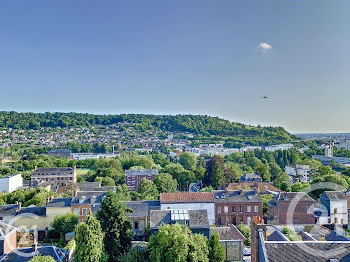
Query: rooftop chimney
[{"x": 19, "y": 205}]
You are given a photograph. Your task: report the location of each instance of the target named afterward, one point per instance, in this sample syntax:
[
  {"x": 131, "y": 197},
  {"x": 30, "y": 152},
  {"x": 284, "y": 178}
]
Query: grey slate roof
[
  {"x": 60, "y": 202},
  {"x": 334, "y": 236},
  {"x": 276, "y": 236},
  {"x": 139, "y": 209},
  {"x": 54, "y": 169},
  {"x": 312, "y": 251},
  {"x": 15, "y": 256},
  {"x": 334, "y": 195},
  {"x": 143, "y": 172},
  {"x": 88, "y": 186},
  {"x": 38, "y": 211},
  {"x": 197, "y": 218},
  {"x": 236, "y": 196},
  {"x": 289, "y": 196},
  {"x": 225, "y": 233},
  {"x": 86, "y": 197},
  {"x": 8, "y": 210}
]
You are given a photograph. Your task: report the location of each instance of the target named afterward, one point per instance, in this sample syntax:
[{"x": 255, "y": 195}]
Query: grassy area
[{"x": 82, "y": 171}]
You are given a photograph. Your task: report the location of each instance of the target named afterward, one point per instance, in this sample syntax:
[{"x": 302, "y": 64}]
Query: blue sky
[{"x": 185, "y": 56}]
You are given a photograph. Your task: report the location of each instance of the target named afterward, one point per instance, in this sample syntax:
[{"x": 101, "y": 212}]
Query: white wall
[
  {"x": 11, "y": 183},
  {"x": 194, "y": 206},
  {"x": 342, "y": 211}
]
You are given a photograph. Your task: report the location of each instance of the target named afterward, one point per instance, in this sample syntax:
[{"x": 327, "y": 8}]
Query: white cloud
[{"x": 264, "y": 47}]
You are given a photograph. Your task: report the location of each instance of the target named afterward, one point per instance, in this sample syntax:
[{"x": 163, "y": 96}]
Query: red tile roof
[{"x": 186, "y": 197}]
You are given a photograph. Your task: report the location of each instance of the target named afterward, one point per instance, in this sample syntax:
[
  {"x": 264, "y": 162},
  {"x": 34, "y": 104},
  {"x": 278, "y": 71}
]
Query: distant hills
[{"x": 203, "y": 127}]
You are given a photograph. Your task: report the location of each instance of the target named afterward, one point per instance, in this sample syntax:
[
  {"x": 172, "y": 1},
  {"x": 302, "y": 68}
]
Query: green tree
[
  {"x": 282, "y": 182},
  {"x": 266, "y": 198},
  {"x": 218, "y": 176},
  {"x": 188, "y": 160},
  {"x": 297, "y": 187},
  {"x": 42, "y": 259},
  {"x": 275, "y": 170},
  {"x": 89, "y": 241},
  {"x": 116, "y": 226},
  {"x": 147, "y": 190},
  {"x": 170, "y": 244},
  {"x": 236, "y": 169},
  {"x": 216, "y": 251},
  {"x": 245, "y": 230},
  {"x": 291, "y": 234},
  {"x": 135, "y": 254},
  {"x": 165, "y": 183},
  {"x": 264, "y": 171},
  {"x": 64, "y": 224},
  {"x": 198, "y": 248}
]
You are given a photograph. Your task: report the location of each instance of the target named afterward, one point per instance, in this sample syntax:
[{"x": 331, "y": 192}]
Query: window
[
  {"x": 219, "y": 210},
  {"x": 240, "y": 209},
  {"x": 77, "y": 211},
  {"x": 84, "y": 211},
  {"x": 335, "y": 210},
  {"x": 136, "y": 225},
  {"x": 233, "y": 209},
  {"x": 219, "y": 221},
  {"x": 256, "y": 209},
  {"x": 335, "y": 220},
  {"x": 249, "y": 209},
  {"x": 226, "y": 209}
]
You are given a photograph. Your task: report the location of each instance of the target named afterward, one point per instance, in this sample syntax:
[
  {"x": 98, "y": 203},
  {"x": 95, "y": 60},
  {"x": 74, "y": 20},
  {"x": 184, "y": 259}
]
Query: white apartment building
[
  {"x": 11, "y": 183},
  {"x": 335, "y": 206},
  {"x": 302, "y": 173}
]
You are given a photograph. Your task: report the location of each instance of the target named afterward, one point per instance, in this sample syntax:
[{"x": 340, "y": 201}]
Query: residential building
[
  {"x": 56, "y": 207},
  {"x": 347, "y": 195},
  {"x": 56, "y": 175},
  {"x": 335, "y": 205},
  {"x": 133, "y": 177},
  {"x": 299, "y": 173},
  {"x": 11, "y": 183},
  {"x": 140, "y": 216},
  {"x": 236, "y": 207},
  {"x": 326, "y": 160},
  {"x": 196, "y": 220},
  {"x": 250, "y": 177},
  {"x": 65, "y": 153},
  {"x": 32, "y": 218},
  {"x": 189, "y": 201},
  {"x": 291, "y": 208},
  {"x": 84, "y": 202}
]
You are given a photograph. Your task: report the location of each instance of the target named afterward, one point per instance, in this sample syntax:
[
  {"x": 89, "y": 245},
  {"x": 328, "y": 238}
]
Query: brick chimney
[
  {"x": 19, "y": 205},
  {"x": 257, "y": 225}
]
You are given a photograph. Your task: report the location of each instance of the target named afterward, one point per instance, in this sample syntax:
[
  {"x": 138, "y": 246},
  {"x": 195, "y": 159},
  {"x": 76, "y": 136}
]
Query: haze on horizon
[{"x": 180, "y": 57}]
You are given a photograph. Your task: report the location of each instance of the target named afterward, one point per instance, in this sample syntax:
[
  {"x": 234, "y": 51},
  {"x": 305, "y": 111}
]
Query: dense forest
[{"x": 202, "y": 126}]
